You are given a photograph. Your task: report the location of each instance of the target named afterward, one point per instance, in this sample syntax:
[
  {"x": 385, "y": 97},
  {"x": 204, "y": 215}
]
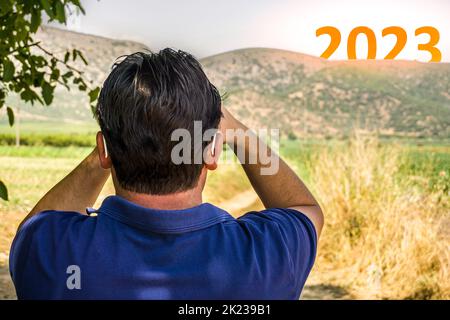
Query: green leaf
[
  {"x": 35, "y": 20},
  {"x": 47, "y": 8},
  {"x": 21, "y": 35},
  {"x": 93, "y": 94},
  {"x": 78, "y": 4},
  {"x": 10, "y": 113},
  {"x": 3, "y": 191},
  {"x": 67, "y": 75},
  {"x": 82, "y": 58},
  {"x": 74, "y": 54},
  {"x": 66, "y": 57},
  {"x": 29, "y": 95},
  {"x": 47, "y": 93},
  {"x": 8, "y": 70},
  {"x": 55, "y": 74},
  {"x": 60, "y": 12},
  {"x": 77, "y": 53},
  {"x": 5, "y": 7}
]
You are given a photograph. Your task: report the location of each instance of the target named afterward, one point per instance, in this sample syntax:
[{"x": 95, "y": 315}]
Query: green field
[{"x": 48, "y": 127}]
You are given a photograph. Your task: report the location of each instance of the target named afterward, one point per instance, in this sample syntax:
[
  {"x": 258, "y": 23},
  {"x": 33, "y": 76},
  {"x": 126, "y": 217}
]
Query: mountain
[
  {"x": 305, "y": 95},
  {"x": 297, "y": 93}
]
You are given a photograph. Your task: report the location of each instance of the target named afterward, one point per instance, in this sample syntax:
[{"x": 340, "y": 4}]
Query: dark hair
[{"x": 144, "y": 99}]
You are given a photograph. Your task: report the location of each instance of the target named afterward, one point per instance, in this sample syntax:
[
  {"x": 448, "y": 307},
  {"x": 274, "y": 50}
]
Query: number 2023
[{"x": 399, "y": 32}]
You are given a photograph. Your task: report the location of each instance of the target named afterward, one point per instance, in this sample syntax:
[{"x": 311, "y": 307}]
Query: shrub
[{"x": 55, "y": 140}]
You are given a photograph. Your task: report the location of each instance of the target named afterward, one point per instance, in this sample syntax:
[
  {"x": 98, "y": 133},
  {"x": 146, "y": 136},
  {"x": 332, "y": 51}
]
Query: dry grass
[{"x": 384, "y": 237}]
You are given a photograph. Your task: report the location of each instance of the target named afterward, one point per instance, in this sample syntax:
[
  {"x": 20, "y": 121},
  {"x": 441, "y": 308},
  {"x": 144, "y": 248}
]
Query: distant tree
[{"x": 34, "y": 74}]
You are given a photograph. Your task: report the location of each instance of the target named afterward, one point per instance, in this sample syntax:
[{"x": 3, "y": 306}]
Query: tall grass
[{"x": 384, "y": 236}]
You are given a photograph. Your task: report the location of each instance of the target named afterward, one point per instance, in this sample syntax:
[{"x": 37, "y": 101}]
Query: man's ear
[
  {"x": 213, "y": 151},
  {"x": 105, "y": 159}
]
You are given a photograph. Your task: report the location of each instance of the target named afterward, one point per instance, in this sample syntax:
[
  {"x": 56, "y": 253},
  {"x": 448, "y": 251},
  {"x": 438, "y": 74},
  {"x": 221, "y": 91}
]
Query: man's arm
[
  {"x": 78, "y": 190},
  {"x": 284, "y": 189}
]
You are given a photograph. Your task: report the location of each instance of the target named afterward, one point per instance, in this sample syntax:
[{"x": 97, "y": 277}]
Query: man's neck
[{"x": 175, "y": 201}]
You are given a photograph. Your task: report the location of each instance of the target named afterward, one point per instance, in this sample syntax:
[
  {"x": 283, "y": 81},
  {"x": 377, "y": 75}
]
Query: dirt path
[
  {"x": 6, "y": 286},
  {"x": 239, "y": 202}
]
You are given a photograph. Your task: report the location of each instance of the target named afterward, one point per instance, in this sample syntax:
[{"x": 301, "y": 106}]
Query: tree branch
[{"x": 58, "y": 59}]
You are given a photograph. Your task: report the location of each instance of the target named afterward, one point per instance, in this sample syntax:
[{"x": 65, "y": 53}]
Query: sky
[{"x": 207, "y": 27}]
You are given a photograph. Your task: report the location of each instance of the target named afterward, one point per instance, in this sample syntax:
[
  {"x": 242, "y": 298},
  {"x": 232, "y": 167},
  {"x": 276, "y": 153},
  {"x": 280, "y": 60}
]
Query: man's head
[{"x": 144, "y": 99}]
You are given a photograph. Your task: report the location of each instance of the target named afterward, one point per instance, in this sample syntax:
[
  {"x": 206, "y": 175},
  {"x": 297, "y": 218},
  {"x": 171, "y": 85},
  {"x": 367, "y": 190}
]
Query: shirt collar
[{"x": 163, "y": 221}]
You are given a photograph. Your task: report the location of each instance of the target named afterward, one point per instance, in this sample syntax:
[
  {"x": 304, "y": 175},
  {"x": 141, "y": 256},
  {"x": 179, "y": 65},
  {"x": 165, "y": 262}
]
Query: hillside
[{"x": 300, "y": 94}]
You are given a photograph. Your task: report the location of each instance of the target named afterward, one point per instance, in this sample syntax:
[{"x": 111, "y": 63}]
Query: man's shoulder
[
  {"x": 282, "y": 223},
  {"x": 51, "y": 217},
  {"x": 47, "y": 224},
  {"x": 277, "y": 216},
  {"x": 288, "y": 225}
]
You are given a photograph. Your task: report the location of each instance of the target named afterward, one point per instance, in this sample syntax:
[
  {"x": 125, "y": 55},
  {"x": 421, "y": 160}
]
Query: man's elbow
[
  {"x": 320, "y": 218},
  {"x": 315, "y": 214}
]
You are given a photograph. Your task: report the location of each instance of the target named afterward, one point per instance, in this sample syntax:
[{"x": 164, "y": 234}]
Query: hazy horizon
[{"x": 205, "y": 28}]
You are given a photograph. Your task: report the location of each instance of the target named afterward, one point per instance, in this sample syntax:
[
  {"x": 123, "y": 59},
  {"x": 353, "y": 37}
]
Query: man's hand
[
  {"x": 228, "y": 122},
  {"x": 78, "y": 190}
]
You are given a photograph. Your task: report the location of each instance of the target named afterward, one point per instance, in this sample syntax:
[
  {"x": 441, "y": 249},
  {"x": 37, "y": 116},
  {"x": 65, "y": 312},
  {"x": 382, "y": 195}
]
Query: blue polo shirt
[{"x": 130, "y": 252}]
